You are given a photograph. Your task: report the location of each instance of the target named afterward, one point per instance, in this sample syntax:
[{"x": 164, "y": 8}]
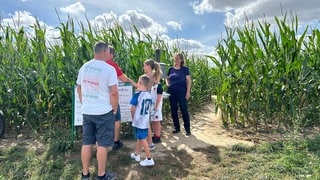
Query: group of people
[{"x": 97, "y": 89}]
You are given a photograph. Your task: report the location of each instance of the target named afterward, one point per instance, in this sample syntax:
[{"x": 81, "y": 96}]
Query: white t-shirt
[
  {"x": 155, "y": 90},
  {"x": 95, "y": 77},
  {"x": 143, "y": 102}
]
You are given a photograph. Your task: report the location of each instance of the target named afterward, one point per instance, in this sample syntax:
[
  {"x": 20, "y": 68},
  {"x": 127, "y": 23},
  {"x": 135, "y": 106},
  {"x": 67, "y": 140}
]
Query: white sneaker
[
  {"x": 147, "y": 162},
  {"x": 135, "y": 157}
]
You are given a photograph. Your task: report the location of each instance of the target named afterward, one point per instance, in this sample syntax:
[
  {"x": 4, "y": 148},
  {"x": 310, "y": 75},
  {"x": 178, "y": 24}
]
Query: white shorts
[{"x": 157, "y": 116}]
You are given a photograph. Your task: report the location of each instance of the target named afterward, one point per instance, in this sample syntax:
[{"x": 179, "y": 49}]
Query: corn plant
[
  {"x": 38, "y": 75},
  {"x": 269, "y": 77}
]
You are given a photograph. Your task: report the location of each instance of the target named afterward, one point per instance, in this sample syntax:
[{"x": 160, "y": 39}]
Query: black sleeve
[{"x": 159, "y": 89}]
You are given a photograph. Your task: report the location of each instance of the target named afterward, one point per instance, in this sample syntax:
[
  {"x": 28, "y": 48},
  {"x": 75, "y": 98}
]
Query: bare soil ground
[
  {"x": 199, "y": 156},
  {"x": 207, "y": 131},
  {"x": 186, "y": 157},
  {"x": 178, "y": 156}
]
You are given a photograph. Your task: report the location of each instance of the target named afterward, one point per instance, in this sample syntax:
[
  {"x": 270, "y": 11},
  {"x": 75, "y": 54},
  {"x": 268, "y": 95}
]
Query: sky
[{"x": 196, "y": 26}]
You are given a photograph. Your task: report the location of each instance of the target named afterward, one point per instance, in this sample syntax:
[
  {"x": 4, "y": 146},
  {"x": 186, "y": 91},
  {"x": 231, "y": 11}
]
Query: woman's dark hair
[{"x": 180, "y": 55}]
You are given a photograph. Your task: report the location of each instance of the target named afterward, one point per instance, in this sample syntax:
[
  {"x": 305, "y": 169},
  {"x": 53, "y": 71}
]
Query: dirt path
[
  {"x": 194, "y": 153},
  {"x": 206, "y": 128},
  {"x": 177, "y": 156}
]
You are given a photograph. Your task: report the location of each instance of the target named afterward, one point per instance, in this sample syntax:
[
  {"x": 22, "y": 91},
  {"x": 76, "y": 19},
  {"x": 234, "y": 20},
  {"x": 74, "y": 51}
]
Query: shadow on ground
[{"x": 175, "y": 158}]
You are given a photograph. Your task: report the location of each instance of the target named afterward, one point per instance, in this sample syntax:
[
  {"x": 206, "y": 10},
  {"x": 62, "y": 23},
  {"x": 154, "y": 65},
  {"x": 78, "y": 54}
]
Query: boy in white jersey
[{"x": 140, "y": 110}]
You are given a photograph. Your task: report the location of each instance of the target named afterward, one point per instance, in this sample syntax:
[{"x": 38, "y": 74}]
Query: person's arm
[
  {"x": 124, "y": 78},
  {"x": 79, "y": 93},
  {"x": 134, "y": 103},
  {"x": 188, "y": 94},
  {"x": 167, "y": 81},
  {"x": 167, "y": 78},
  {"x": 133, "y": 110},
  {"x": 134, "y": 84},
  {"x": 159, "y": 97},
  {"x": 114, "y": 98}
]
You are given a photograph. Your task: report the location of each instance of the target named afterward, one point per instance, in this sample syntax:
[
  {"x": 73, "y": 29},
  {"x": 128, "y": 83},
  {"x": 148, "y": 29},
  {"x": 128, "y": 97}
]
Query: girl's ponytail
[{"x": 157, "y": 74}]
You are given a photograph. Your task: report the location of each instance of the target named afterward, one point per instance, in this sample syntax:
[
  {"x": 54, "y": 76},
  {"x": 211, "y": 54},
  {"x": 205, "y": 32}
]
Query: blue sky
[{"x": 192, "y": 25}]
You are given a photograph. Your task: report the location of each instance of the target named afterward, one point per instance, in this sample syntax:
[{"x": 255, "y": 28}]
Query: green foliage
[
  {"x": 269, "y": 76},
  {"x": 27, "y": 162},
  {"x": 37, "y": 75},
  {"x": 287, "y": 159},
  {"x": 241, "y": 148},
  {"x": 202, "y": 79},
  {"x": 271, "y": 147}
]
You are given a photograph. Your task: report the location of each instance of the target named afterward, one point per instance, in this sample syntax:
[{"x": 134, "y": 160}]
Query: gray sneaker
[
  {"x": 109, "y": 176},
  {"x": 152, "y": 147}
]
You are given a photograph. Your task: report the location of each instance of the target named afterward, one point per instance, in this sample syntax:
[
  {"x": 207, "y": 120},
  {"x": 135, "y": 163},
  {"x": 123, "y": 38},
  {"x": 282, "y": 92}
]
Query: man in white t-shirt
[{"x": 97, "y": 88}]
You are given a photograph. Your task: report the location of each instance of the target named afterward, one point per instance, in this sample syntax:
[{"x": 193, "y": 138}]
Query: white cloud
[
  {"x": 175, "y": 25},
  {"x": 147, "y": 25},
  {"x": 165, "y": 37},
  {"x": 267, "y": 10},
  {"x": 238, "y": 12},
  {"x": 185, "y": 44},
  {"x": 74, "y": 9},
  {"x": 155, "y": 30},
  {"x": 24, "y": 19},
  {"x": 52, "y": 36},
  {"x": 19, "y": 19},
  {"x": 142, "y": 22},
  {"x": 208, "y": 6},
  {"x": 105, "y": 20},
  {"x": 133, "y": 17}
]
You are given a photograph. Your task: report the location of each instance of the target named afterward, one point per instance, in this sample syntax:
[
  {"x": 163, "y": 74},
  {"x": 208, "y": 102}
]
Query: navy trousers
[{"x": 178, "y": 98}]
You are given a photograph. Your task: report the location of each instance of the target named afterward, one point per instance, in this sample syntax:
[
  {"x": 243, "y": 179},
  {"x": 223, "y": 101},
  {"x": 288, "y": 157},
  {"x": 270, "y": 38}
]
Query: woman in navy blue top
[{"x": 179, "y": 87}]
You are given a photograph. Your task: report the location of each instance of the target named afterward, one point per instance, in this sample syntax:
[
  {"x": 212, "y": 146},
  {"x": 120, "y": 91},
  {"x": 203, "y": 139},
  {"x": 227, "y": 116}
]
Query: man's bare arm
[
  {"x": 114, "y": 98},
  {"x": 79, "y": 93}
]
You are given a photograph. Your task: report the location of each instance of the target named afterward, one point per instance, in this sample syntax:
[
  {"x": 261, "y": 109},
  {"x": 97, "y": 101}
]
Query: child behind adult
[
  {"x": 156, "y": 94},
  {"x": 140, "y": 110}
]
